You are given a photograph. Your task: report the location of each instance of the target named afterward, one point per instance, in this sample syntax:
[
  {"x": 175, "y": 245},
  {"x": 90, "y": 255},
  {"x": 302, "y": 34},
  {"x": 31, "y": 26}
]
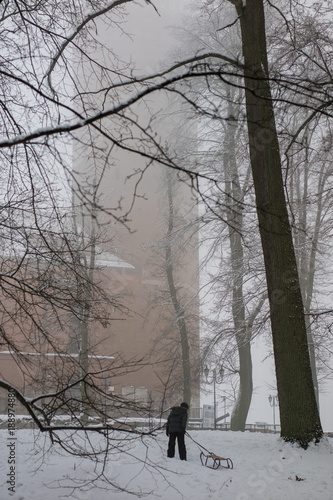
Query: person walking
[{"x": 175, "y": 429}]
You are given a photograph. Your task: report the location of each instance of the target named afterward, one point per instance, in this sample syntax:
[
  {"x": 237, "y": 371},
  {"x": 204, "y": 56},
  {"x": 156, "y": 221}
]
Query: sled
[{"x": 213, "y": 461}]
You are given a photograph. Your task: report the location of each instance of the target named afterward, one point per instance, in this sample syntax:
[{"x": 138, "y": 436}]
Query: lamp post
[
  {"x": 216, "y": 379},
  {"x": 273, "y": 401}
]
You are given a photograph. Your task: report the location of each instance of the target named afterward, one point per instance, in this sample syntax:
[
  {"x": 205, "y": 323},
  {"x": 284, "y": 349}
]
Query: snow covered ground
[{"x": 264, "y": 468}]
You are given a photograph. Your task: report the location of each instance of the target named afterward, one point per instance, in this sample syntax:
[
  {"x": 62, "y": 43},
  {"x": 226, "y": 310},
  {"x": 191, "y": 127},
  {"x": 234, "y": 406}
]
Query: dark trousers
[{"x": 181, "y": 445}]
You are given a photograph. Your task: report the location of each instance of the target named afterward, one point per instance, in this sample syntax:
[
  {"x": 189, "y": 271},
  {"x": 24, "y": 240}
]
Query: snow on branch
[{"x": 90, "y": 17}]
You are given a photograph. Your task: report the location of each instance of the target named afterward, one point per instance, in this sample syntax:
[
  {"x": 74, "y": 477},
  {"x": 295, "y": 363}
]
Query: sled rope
[{"x": 211, "y": 460}]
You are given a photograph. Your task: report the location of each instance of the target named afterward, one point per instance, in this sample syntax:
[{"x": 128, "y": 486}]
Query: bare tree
[
  {"x": 299, "y": 415},
  {"x": 45, "y": 78},
  {"x": 48, "y": 286}
]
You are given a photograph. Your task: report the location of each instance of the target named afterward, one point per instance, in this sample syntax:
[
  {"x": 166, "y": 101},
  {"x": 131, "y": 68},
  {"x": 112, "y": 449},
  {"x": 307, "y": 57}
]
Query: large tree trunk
[{"x": 299, "y": 414}]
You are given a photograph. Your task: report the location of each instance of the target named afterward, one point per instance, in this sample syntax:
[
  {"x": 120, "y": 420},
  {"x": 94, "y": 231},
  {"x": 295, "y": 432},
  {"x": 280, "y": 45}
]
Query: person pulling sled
[{"x": 175, "y": 430}]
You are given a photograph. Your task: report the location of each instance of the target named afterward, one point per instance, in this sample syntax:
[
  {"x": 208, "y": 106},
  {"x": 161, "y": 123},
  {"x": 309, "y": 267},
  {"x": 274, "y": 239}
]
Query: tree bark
[
  {"x": 85, "y": 312},
  {"x": 178, "y": 307},
  {"x": 235, "y": 227},
  {"x": 299, "y": 416},
  {"x": 307, "y": 258}
]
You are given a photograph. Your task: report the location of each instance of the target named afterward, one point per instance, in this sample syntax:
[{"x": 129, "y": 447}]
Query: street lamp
[
  {"x": 216, "y": 379},
  {"x": 273, "y": 401}
]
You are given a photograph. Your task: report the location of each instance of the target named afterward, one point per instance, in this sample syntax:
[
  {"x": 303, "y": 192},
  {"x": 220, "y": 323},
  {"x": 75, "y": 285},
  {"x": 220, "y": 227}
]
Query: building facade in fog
[
  {"x": 136, "y": 191},
  {"x": 144, "y": 228}
]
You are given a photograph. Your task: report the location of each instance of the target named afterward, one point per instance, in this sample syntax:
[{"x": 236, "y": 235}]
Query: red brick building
[{"x": 138, "y": 351}]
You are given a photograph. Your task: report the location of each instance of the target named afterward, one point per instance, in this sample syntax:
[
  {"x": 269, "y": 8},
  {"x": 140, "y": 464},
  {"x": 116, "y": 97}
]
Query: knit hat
[{"x": 184, "y": 405}]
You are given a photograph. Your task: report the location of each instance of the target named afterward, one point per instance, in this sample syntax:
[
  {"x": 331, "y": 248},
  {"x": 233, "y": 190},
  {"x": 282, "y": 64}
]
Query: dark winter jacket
[{"x": 177, "y": 420}]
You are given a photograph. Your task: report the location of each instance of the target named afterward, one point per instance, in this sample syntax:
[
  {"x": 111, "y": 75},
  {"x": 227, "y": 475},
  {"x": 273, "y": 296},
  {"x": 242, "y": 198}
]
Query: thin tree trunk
[
  {"x": 309, "y": 282},
  {"x": 235, "y": 227},
  {"x": 85, "y": 313},
  {"x": 178, "y": 308}
]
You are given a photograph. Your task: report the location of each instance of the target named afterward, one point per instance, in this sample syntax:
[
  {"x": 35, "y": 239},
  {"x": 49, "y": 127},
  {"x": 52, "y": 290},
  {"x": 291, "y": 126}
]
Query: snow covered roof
[
  {"x": 103, "y": 259},
  {"x": 54, "y": 354},
  {"x": 107, "y": 259}
]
